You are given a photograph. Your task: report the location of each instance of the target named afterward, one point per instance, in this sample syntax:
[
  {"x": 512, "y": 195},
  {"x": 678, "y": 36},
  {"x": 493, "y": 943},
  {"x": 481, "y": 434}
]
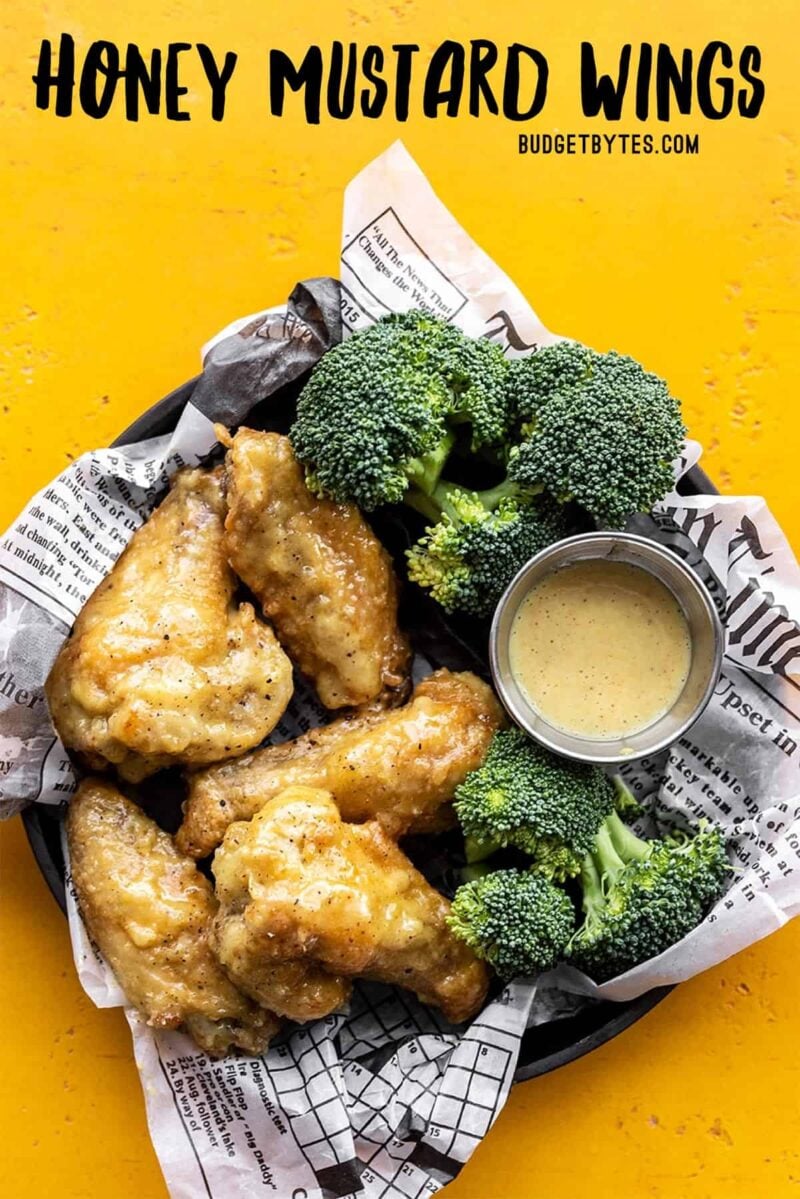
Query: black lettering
[
  {"x": 708, "y": 524},
  {"x": 736, "y": 635},
  {"x": 747, "y": 534},
  {"x": 308, "y": 75},
  {"x": 63, "y": 80},
  {"x": 672, "y": 79},
  {"x": 643, "y": 76},
  {"x": 102, "y": 59},
  {"x": 218, "y": 80},
  {"x": 511, "y": 83},
  {"x": 704, "y": 68},
  {"x": 600, "y": 91},
  {"x": 785, "y": 743},
  {"x": 372, "y": 67},
  {"x": 483, "y": 57},
  {"x": 172, "y": 89},
  {"x": 769, "y": 653},
  {"x": 449, "y": 57},
  {"x": 341, "y": 84},
  {"x": 141, "y": 78},
  {"x": 781, "y": 667},
  {"x": 402, "y": 90},
  {"x": 750, "y": 62}
]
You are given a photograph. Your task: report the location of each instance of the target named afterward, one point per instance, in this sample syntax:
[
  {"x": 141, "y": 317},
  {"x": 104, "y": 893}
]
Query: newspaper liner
[{"x": 387, "y": 1100}]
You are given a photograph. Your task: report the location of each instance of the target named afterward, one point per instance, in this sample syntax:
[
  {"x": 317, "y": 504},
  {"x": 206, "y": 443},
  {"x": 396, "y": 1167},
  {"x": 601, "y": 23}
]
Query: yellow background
[{"x": 124, "y": 246}]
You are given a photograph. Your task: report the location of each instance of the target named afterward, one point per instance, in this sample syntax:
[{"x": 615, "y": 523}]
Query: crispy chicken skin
[
  {"x": 149, "y": 910},
  {"x": 163, "y": 668},
  {"x": 300, "y": 889},
  {"x": 318, "y": 570},
  {"x": 398, "y": 767}
]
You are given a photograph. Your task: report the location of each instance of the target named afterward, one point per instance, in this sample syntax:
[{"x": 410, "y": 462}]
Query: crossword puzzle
[{"x": 390, "y": 1101}]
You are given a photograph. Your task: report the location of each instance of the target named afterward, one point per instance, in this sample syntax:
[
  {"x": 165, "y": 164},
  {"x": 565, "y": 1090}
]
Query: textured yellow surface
[{"x": 123, "y": 246}]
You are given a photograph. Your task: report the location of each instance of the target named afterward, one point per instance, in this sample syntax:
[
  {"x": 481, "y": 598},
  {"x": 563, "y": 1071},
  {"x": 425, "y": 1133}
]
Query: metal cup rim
[{"x": 517, "y": 711}]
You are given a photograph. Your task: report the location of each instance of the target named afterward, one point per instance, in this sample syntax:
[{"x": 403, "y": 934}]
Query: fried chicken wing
[
  {"x": 300, "y": 889},
  {"x": 149, "y": 910},
  {"x": 163, "y": 668},
  {"x": 399, "y": 767},
  {"x": 318, "y": 570}
]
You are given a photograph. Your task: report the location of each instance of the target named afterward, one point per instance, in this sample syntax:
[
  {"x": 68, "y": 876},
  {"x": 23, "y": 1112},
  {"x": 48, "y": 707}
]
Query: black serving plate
[{"x": 545, "y": 1047}]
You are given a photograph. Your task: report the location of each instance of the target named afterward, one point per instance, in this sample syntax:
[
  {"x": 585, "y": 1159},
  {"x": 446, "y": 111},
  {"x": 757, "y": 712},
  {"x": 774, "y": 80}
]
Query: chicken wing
[
  {"x": 398, "y": 767},
  {"x": 163, "y": 668},
  {"x": 149, "y": 910},
  {"x": 301, "y": 889},
  {"x": 318, "y": 570}
]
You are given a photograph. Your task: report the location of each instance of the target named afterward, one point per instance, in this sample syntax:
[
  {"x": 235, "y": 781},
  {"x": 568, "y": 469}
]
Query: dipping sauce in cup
[
  {"x": 600, "y": 648},
  {"x": 606, "y": 647}
]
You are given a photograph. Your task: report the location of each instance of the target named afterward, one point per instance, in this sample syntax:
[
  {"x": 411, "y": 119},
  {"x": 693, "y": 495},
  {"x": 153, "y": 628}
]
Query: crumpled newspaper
[{"x": 386, "y": 1100}]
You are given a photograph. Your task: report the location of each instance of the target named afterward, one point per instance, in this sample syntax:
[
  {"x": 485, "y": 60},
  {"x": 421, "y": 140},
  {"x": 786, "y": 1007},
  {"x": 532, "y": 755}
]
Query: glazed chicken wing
[
  {"x": 398, "y": 767},
  {"x": 318, "y": 570},
  {"x": 163, "y": 668},
  {"x": 301, "y": 889},
  {"x": 149, "y": 910}
]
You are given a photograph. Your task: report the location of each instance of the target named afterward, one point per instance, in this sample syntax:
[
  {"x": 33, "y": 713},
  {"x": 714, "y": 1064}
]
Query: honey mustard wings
[
  {"x": 149, "y": 910},
  {"x": 163, "y": 667},
  {"x": 399, "y": 767},
  {"x": 301, "y": 890},
  {"x": 318, "y": 571}
]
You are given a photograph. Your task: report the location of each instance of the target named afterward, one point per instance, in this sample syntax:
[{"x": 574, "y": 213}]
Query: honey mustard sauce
[{"x": 601, "y": 649}]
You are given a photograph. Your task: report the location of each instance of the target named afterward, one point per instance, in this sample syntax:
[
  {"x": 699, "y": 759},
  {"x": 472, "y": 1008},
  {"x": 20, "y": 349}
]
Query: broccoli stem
[
  {"x": 607, "y": 861},
  {"x": 625, "y": 800},
  {"x": 592, "y": 884},
  {"x": 434, "y": 502},
  {"x": 424, "y": 473},
  {"x": 474, "y": 870},
  {"x": 628, "y": 846},
  {"x": 475, "y": 850},
  {"x": 614, "y": 847},
  {"x": 494, "y": 496},
  {"x": 423, "y": 503}
]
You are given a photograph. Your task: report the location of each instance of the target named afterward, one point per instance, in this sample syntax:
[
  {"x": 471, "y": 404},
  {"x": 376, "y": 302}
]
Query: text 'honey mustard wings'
[
  {"x": 318, "y": 570},
  {"x": 300, "y": 888},
  {"x": 398, "y": 767},
  {"x": 149, "y": 910},
  {"x": 163, "y": 667}
]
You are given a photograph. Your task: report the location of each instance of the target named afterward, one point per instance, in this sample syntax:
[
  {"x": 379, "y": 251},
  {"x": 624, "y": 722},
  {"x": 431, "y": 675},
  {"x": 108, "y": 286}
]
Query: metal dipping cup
[{"x": 705, "y": 631}]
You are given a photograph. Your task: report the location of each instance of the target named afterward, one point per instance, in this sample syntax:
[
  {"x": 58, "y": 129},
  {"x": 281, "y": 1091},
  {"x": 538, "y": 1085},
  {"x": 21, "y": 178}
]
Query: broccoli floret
[
  {"x": 524, "y": 796},
  {"x": 381, "y": 410},
  {"x": 625, "y": 801},
  {"x": 596, "y": 428},
  {"x": 476, "y": 374},
  {"x": 640, "y": 897},
  {"x": 468, "y": 558},
  {"x": 549, "y": 372},
  {"x": 517, "y": 920}
]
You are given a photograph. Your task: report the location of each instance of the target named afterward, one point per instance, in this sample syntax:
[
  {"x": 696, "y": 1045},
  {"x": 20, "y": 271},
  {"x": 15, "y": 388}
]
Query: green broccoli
[
  {"x": 468, "y": 558},
  {"x": 382, "y": 410},
  {"x": 524, "y": 796},
  {"x": 625, "y": 802},
  {"x": 595, "y": 428},
  {"x": 640, "y": 897},
  {"x": 516, "y": 920}
]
